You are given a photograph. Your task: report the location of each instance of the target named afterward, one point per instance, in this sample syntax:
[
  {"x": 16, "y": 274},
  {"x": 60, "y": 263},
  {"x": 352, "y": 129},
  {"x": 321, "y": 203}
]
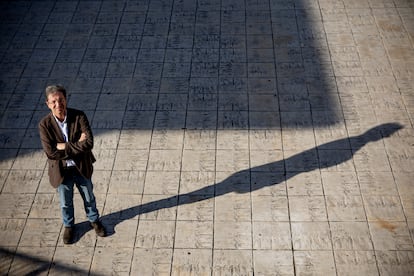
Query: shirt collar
[{"x": 58, "y": 121}]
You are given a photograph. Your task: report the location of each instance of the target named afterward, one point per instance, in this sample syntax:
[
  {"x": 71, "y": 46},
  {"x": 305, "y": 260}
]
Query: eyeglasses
[{"x": 59, "y": 101}]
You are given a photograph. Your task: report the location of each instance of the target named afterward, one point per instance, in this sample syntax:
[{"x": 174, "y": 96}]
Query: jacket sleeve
[
  {"x": 74, "y": 147},
  {"x": 49, "y": 141}
]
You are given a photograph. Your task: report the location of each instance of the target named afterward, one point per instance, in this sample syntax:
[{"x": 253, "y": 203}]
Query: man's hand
[
  {"x": 61, "y": 146},
  {"x": 83, "y": 137}
]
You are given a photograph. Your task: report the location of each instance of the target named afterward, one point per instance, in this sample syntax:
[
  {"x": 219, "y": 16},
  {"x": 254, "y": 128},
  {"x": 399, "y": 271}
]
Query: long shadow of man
[{"x": 302, "y": 162}]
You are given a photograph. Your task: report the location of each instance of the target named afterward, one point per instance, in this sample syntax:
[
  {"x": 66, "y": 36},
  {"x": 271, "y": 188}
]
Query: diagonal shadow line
[
  {"x": 26, "y": 264},
  {"x": 233, "y": 183}
]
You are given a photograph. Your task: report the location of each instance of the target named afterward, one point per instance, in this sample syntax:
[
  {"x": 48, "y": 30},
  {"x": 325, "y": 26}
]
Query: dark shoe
[
  {"x": 68, "y": 235},
  {"x": 99, "y": 228}
]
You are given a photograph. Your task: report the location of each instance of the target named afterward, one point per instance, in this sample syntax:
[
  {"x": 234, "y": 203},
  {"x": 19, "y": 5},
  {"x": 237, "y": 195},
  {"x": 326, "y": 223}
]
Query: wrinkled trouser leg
[
  {"x": 85, "y": 188},
  {"x": 65, "y": 191}
]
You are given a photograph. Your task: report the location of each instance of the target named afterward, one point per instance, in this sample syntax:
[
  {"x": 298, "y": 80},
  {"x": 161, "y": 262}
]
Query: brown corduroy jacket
[{"x": 80, "y": 152}]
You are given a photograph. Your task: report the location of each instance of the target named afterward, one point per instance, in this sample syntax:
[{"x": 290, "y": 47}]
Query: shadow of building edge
[
  {"x": 230, "y": 184},
  {"x": 290, "y": 72},
  {"x": 302, "y": 38},
  {"x": 32, "y": 265}
]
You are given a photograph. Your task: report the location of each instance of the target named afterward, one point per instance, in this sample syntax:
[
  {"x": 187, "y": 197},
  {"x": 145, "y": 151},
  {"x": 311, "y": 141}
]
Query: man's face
[{"x": 57, "y": 104}]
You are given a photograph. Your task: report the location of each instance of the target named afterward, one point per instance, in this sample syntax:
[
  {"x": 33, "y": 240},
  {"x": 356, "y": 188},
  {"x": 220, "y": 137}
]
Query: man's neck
[{"x": 60, "y": 118}]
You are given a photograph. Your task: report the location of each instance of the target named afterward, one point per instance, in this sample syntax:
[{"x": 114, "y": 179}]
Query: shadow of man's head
[{"x": 381, "y": 131}]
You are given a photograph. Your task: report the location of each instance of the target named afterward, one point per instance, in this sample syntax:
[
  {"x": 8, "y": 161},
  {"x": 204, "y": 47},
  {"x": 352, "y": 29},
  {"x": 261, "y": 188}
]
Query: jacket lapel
[
  {"x": 56, "y": 128},
  {"x": 71, "y": 125}
]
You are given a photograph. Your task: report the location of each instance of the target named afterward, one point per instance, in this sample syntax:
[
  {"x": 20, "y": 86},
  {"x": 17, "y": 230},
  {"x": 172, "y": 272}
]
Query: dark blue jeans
[{"x": 85, "y": 188}]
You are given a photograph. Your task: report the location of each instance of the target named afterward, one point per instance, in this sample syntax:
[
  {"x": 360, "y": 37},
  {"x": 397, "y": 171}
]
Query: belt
[{"x": 70, "y": 169}]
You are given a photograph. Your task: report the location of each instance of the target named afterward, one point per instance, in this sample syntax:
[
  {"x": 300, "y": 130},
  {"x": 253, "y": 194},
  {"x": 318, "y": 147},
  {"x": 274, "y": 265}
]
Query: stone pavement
[{"x": 255, "y": 137}]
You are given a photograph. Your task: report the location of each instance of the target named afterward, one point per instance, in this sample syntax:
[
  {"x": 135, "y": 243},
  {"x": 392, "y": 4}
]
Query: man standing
[{"x": 67, "y": 140}]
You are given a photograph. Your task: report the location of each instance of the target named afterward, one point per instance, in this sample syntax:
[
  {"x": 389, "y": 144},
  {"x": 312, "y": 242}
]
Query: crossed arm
[
  {"x": 62, "y": 146},
  {"x": 60, "y": 150}
]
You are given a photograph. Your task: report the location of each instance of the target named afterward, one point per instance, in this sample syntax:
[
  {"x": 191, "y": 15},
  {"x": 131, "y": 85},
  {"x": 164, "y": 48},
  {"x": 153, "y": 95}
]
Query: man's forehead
[{"x": 56, "y": 94}]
